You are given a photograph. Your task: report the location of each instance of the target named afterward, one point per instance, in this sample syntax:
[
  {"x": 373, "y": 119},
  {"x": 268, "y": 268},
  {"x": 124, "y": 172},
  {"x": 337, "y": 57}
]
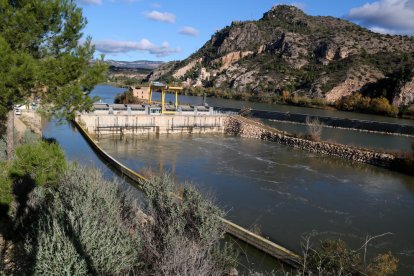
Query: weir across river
[{"x": 335, "y": 122}]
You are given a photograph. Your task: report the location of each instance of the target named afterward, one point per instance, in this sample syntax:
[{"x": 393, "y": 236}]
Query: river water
[
  {"x": 354, "y": 138},
  {"x": 286, "y": 193}
]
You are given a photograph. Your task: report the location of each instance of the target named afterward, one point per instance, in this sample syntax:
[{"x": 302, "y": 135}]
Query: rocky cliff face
[
  {"x": 287, "y": 50},
  {"x": 405, "y": 95}
]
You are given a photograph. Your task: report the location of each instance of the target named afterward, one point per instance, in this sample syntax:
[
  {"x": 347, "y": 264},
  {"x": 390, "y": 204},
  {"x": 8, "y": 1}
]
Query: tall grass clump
[
  {"x": 315, "y": 128},
  {"x": 183, "y": 238}
]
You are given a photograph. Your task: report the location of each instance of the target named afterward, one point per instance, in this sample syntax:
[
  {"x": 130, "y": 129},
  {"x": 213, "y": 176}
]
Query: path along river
[{"x": 286, "y": 193}]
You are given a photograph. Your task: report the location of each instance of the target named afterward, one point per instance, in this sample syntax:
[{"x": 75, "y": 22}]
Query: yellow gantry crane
[{"x": 154, "y": 86}]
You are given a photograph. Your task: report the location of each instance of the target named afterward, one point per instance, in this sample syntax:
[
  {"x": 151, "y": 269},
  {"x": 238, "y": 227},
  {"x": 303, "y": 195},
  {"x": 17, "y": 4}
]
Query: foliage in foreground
[
  {"x": 184, "y": 238},
  {"x": 333, "y": 257},
  {"x": 86, "y": 225},
  {"x": 41, "y": 161},
  {"x": 79, "y": 228},
  {"x": 6, "y": 193}
]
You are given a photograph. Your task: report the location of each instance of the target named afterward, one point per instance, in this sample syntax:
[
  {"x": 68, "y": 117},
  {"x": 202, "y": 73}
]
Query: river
[{"x": 284, "y": 192}]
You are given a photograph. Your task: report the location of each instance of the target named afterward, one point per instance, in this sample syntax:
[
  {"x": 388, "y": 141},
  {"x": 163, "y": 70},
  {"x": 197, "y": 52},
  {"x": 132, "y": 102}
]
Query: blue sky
[{"x": 173, "y": 29}]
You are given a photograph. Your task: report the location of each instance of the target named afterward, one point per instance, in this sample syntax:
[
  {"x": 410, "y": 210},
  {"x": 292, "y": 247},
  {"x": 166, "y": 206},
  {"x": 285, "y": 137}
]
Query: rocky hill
[
  {"x": 287, "y": 51},
  {"x": 139, "y": 64}
]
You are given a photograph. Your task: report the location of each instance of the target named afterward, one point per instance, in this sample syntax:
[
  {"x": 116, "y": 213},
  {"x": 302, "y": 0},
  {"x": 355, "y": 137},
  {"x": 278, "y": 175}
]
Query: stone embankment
[
  {"x": 240, "y": 126},
  {"x": 361, "y": 125}
]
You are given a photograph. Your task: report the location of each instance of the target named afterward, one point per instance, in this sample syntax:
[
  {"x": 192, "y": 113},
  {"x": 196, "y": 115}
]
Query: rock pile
[{"x": 243, "y": 127}]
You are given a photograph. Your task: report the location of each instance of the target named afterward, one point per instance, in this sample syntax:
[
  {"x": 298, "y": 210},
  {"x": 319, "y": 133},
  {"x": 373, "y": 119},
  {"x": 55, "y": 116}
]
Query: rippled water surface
[{"x": 287, "y": 193}]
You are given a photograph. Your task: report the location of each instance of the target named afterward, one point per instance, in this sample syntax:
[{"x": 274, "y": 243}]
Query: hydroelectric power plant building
[{"x": 154, "y": 117}]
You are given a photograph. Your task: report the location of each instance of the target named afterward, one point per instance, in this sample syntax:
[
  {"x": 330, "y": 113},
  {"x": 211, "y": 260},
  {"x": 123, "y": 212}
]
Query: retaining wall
[
  {"x": 373, "y": 126},
  {"x": 240, "y": 126}
]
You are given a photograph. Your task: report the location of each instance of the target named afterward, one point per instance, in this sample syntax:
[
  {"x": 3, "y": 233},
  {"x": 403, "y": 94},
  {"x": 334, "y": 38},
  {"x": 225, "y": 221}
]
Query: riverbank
[{"x": 240, "y": 126}]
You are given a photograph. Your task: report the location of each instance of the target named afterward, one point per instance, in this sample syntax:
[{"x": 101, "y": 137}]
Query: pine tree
[{"x": 42, "y": 55}]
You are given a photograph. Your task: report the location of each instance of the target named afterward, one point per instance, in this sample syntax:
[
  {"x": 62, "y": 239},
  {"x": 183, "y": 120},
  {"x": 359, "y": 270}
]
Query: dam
[{"x": 123, "y": 119}]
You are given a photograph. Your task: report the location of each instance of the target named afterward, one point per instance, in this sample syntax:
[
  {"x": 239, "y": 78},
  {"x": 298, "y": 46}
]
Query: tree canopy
[{"x": 43, "y": 54}]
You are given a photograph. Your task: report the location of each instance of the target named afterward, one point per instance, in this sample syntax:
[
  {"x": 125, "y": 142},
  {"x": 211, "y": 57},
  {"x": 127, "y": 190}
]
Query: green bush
[
  {"x": 42, "y": 161},
  {"x": 6, "y": 191},
  {"x": 86, "y": 225},
  {"x": 360, "y": 103},
  {"x": 80, "y": 228},
  {"x": 3, "y": 149},
  {"x": 382, "y": 106},
  {"x": 55, "y": 252}
]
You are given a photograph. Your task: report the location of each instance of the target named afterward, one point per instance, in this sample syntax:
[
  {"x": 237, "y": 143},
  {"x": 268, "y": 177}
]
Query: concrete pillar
[
  {"x": 111, "y": 110},
  {"x": 211, "y": 110},
  {"x": 129, "y": 111},
  {"x": 195, "y": 110}
]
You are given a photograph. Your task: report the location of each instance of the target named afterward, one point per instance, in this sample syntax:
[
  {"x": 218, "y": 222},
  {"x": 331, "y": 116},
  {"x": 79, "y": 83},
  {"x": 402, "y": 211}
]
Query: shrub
[
  {"x": 333, "y": 257},
  {"x": 6, "y": 192},
  {"x": 29, "y": 137},
  {"x": 3, "y": 149},
  {"x": 184, "y": 236},
  {"x": 86, "y": 225},
  {"x": 382, "y": 265},
  {"x": 315, "y": 128},
  {"x": 80, "y": 228},
  {"x": 382, "y": 106},
  {"x": 357, "y": 102},
  {"x": 55, "y": 253},
  {"x": 43, "y": 162}
]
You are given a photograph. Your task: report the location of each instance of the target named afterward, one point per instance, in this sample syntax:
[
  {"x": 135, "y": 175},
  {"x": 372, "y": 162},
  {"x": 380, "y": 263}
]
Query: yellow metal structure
[{"x": 164, "y": 90}]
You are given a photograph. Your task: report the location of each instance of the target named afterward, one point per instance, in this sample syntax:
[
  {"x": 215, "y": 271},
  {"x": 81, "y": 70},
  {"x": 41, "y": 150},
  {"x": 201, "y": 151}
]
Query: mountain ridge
[
  {"x": 290, "y": 52},
  {"x": 137, "y": 64}
]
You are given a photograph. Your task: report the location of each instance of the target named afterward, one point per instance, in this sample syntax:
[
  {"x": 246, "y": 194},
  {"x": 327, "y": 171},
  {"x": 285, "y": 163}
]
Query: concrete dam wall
[{"x": 100, "y": 124}]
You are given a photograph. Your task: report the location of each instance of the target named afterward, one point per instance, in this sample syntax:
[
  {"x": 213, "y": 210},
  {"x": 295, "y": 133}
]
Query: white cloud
[
  {"x": 144, "y": 45},
  {"x": 90, "y": 2},
  {"x": 299, "y": 5},
  {"x": 156, "y": 5},
  {"x": 382, "y": 30},
  {"x": 389, "y": 16},
  {"x": 161, "y": 16},
  {"x": 190, "y": 31}
]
